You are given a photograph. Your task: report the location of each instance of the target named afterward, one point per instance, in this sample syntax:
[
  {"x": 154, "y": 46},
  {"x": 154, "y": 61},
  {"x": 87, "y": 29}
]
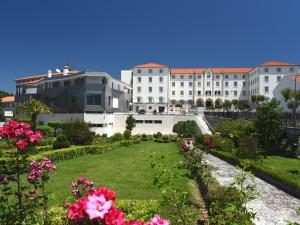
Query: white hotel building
[{"x": 158, "y": 87}]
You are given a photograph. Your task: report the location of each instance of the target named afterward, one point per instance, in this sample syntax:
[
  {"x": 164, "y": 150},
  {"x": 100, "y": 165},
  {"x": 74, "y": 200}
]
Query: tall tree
[
  {"x": 33, "y": 108},
  {"x": 227, "y": 105},
  {"x": 292, "y": 99},
  {"x": 269, "y": 124},
  {"x": 130, "y": 123}
]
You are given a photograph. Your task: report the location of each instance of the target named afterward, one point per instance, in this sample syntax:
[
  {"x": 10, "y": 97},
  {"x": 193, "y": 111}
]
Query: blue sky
[{"x": 110, "y": 35}]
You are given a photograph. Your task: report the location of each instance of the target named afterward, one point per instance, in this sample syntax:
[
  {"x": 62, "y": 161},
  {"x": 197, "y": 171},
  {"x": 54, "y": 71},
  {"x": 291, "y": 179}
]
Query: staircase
[{"x": 202, "y": 124}]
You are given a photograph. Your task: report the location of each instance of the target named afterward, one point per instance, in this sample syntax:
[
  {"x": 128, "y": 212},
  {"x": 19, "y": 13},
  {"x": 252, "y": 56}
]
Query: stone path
[{"x": 272, "y": 206}]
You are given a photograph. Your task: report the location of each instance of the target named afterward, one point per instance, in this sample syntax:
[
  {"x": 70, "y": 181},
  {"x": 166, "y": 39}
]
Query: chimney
[
  {"x": 66, "y": 70},
  {"x": 49, "y": 73}
]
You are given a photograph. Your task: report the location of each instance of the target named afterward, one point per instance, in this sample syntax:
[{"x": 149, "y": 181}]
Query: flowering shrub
[
  {"x": 39, "y": 169},
  {"x": 79, "y": 187},
  {"x": 97, "y": 207},
  {"x": 208, "y": 143},
  {"x": 187, "y": 145}
]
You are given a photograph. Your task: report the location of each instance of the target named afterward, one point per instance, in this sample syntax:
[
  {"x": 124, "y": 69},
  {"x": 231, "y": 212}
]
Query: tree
[
  {"x": 186, "y": 129},
  {"x": 227, "y": 105},
  {"x": 292, "y": 98},
  {"x": 130, "y": 123},
  {"x": 33, "y": 108},
  {"x": 235, "y": 103},
  {"x": 269, "y": 124}
]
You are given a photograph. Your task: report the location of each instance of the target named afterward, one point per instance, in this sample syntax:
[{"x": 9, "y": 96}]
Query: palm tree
[
  {"x": 292, "y": 98},
  {"x": 33, "y": 108}
]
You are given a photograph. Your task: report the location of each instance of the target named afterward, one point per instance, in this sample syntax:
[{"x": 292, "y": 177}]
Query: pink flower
[
  {"x": 97, "y": 206},
  {"x": 114, "y": 217},
  {"x": 21, "y": 145},
  {"x": 107, "y": 193},
  {"x": 156, "y": 220},
  {"x": 134, "y": 222},
  {"x": 76, "y": 211}
]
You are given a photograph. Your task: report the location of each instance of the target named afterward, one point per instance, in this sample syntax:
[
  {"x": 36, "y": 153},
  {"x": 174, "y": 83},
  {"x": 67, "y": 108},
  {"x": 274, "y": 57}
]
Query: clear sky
[{"x": 110, "y": 35}]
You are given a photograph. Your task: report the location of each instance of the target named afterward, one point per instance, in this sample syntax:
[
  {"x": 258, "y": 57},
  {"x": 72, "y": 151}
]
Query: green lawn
[{"x": 125, "y": 170}]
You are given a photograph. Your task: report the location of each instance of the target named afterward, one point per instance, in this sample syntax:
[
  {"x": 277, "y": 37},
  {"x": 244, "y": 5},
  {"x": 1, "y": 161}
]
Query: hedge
[{"x": 254, "y": 166}]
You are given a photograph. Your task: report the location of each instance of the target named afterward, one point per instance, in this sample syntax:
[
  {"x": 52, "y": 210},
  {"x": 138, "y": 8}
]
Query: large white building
[{"x": 158, "y": 87}]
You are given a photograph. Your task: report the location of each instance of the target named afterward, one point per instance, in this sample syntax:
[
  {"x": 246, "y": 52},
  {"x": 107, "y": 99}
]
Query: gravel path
[{"x": 272, "y": 206}]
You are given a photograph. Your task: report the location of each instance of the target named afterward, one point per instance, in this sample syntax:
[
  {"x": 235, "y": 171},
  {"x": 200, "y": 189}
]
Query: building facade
[{"x": 158, "y": 88}]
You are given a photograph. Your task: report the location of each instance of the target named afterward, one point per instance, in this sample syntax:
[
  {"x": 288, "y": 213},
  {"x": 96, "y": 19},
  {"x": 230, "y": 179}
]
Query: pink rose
[
  {"x": 21, "y": 145},
  {"x": 97, "y": 206}
]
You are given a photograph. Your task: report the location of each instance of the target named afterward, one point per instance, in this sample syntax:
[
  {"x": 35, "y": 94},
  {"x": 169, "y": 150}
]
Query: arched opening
[
  {"x": 182, "y": 102},
  {"x": 190, "y": 102},
  {"x": 200, "y": 102},
  {"x": 173, "y": 102},
  {"x": 209, "y": 103},
  {"x": 218, "y": 103}
]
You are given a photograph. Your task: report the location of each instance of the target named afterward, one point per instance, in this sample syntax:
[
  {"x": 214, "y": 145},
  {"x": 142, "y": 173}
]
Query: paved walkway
[{"x": 272, "y": 206}]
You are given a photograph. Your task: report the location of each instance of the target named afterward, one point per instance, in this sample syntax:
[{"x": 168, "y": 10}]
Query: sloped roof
[
  {"x": 214, "y": 70},
  {"x": 38, "y": 77},
  {"x": 150, "y": 65},
  {"x": 8, "y": 99},
  {"x": 277, "y": 63},
  {"x": 231, "y": 70},
  {"x": 292, "y": 77},
  {"x": 186, "y": 70}
]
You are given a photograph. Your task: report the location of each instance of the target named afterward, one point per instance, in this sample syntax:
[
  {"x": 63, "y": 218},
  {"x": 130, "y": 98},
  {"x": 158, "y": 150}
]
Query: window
[
  {"x": 161, "y": 100},
  {"x": 208, "y": 93},
  {"x": 173, "y": 84},
  {"x": 266, "y": 78},
  {"x": 139, "y": 89},
  {"x": 235, "y": 84},
  {"x": 199, "y": 84},
  {"x": 148, "y": 121},
  {"x": 190, "y": 76},
  {"x": 226, "y": 93},
  {"x": 278, "y": 78},
  {"x": 217, "y": 83},
  {"x": 139, "y": 99},
  {"x": 161, "y": 89},
  {"x": 161, "y": 79},
  {"x": 199, "y": 76},
  {"x": 150, "y": 107},
  {"x": 157, "y": 121},
  {"x": 217, "y": 93},
  {"x": 150, "y": 79},
  {"x": 139, "y": 121},
  {"x": 150, "y": 70},
  {"x": 292, "y": 69},
  {"x": 266, "y": 70},
  {"x": 199, "y": 93},
  {"x": 244, "y": 84},
  {"x": 278, "y": 70},
  {"x": 190, "y": 92},
  {"x": 161, "y": 70},
  {"x": 244, "y": 93},
  {"x": 173, "y": 76},
  {"x": 266, "y": 89},
  {"x": 55, "y": 84},
  {"x": 217, "y": 76},
  {"x": 139, "y": 71},
  {"x": 235, "y": 93},
  {"x": 208, "y": 76},
  {"x": 139, "y": 79},
  {"x": 109, "y": 100},
  {"x": 226, "y": 84},
  {"x": 226, "y": 76},
  {"x": 93, "y": 100},
  {"x": 190, "y": 84},
  {"x": 150, "y": 89},
  {"x": 181, "y": 76},
  {"x": 243, "y": 76},
  {"x": 173, "y": 92},
  {"x": 207, "y": 83},
  {"x": 181, "y": 92},
  {"x": 181, "y": 84},
  {"x": 235, "y": 76},
  {"x": 150, "y": 99}
]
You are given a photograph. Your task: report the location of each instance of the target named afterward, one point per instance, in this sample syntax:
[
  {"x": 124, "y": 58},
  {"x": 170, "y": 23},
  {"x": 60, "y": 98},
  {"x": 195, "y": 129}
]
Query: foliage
[
  {"x": 157, "y": 135},
  {"x": 227, "y": 105},
  {"x": 269, "y": 124},
  {"x": 186, "y": 129},
  {"x": 46, "y": 130},
  {"x": 178, "y": 105},
  {"x": 164, "y": 180},
  {"x": 61, "y": 142},
  {"x": 292, "y": 99},
  {"x": 78, "y": 132},
  {"x": 126, "y": 143},
  {"x": 116, "y": 137},
  {"x": 130, "y": 123},
  {"x": 249, "y": 148},
  {"x": 127, "y": 134},
  {"x": 222, "y": 144},
  {"x": 33, "y": 108}
]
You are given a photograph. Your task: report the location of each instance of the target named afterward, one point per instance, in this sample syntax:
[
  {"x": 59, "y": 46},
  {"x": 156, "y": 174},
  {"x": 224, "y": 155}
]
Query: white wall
[{"x": 126, "y": 76}]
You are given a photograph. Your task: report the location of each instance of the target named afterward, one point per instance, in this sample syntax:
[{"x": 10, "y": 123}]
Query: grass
[
  {"x": 126, "y": 170},
  {"x": 283, "y": 169}
]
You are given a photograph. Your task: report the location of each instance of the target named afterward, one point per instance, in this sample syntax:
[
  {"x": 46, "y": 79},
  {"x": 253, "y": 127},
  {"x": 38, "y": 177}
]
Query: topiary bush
[
  {"x": 186, "y": 129},
  {"x": 61, "y": 142},
  {"x": 78, "y": 132},
  {"x": 46, "y": 130},
  {"x": 127, "y": 134},
  {"x": 116, "y": 137}
]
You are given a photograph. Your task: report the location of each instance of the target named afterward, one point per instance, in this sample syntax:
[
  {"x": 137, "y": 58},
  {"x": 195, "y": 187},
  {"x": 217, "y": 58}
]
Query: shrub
[
  {"x": 127, "y": 134},
  {"x": 46, "y": 130},
  {"x": 46, "y": 141},
  {"x": 130, "y": 123},
  {"x": 157, "y": 135},
  {"x": 144, "y": 137},
  {"x": 78, "y": 132},
  {"x": 116, "y": 137},
  {"x": 61, "y": 142},
  {"x": 186, "y": 129},
  {"x": 222, "y": 144},
  {"x": 126, "y": 143}
]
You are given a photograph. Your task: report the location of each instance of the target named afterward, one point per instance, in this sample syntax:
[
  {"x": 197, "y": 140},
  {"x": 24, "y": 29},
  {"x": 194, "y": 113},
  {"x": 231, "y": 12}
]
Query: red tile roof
[
  {"x": 38, "y": 77},
  {"x": 186, "y": 71},
  {"x": 151, "y": 65},
  {"x": 292, "y": 77},
  {"x": 231, "y": 70},
  {"x": 214, "y": 70},
  {"x": 276, "y": 63},
  {"x": 8, "y": 99}
]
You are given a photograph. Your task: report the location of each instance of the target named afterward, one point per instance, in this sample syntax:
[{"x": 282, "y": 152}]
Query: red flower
[
  {"x": 114, "y": 217},
  {"x": 77, "y": 210},
  {"x": 208, "y": 143},
  {"x": 108, "y": 194},
  {"x": 134, "y": 222},
  {"x": 21, "y": 145}
]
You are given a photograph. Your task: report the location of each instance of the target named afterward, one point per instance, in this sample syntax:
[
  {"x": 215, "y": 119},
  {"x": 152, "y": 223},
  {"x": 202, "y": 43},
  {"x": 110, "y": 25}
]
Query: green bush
[
  {"x": 56, "y": 124},
  {"x": 144, "y": 137},
  {"x": 78, "y": 132},
  {"x": 127, "y": 134},
  {"x": 46, "y": 141},
  {"x": 139, "y": 209},
  {"x": 186, "y": 129},
  {"x": 116, "y": 137},
  {"x": 25, "y": 120},
  {"x": 126, "y": 143},
  {"x": 157, "y": 135},
  {"x": 222, "y": 144},
  {"x": 61, "y": 142},
  {"x": 46, "y": 130}
]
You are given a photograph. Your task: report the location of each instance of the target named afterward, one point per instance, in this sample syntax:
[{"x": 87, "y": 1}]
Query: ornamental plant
[
  {"x": 20, "y": 136},
  {"x": 97, "y": 206}
]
